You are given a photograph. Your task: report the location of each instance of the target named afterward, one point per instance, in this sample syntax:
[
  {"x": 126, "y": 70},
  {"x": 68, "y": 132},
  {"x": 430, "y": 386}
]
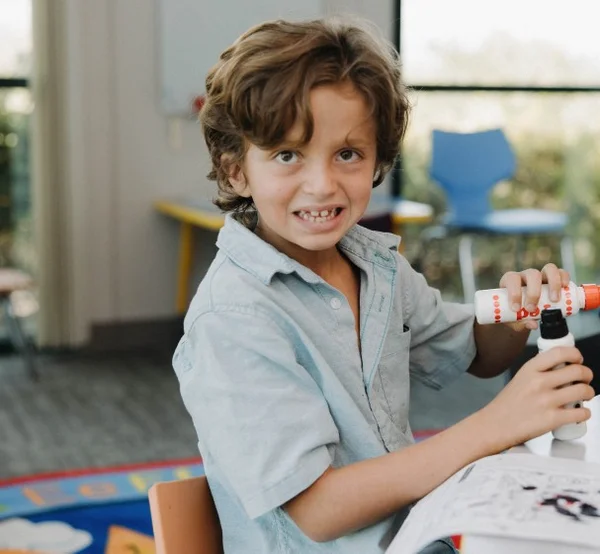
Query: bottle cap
[
  {"x": 553, "y": 324},
  {"x": 592, "y": 296}
]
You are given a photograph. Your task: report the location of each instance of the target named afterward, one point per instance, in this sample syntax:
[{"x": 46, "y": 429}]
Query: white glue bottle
[
  {"x": 554, "y": 332},
  {"x": 494, "y": 306}
]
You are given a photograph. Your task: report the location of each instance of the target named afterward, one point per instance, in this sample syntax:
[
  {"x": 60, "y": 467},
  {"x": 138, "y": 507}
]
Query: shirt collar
[{"x": 254, "y": 255}]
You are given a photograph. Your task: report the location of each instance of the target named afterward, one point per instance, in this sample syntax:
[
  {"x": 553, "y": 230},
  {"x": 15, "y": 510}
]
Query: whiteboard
[{"x": 193, "y": 33}]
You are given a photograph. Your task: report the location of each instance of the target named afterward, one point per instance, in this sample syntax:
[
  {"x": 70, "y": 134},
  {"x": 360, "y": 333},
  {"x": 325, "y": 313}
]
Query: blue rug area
[{"x": 104, "y": 512}]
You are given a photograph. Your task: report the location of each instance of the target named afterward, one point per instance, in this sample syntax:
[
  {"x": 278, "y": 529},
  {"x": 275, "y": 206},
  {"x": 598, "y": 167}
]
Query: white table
[{"x": 586, "y": 448}]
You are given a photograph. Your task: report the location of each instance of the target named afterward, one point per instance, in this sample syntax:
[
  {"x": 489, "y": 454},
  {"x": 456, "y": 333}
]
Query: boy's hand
[
  {"x": 533, "y": 279},
  {"x": 533, "y": 401}
]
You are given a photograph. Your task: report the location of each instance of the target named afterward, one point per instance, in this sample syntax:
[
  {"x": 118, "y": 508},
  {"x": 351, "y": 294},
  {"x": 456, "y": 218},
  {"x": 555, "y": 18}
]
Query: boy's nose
[{"x": 321, "y": 181}]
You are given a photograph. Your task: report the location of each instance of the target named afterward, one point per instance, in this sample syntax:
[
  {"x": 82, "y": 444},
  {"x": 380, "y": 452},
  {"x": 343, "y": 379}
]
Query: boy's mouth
[{"x": 318, "y": 216}]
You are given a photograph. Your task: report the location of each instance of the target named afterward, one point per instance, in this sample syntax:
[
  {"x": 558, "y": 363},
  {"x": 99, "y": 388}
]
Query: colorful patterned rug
[
  {"x": 84, "y": 512},
  {"x": 101, "y": 511}
]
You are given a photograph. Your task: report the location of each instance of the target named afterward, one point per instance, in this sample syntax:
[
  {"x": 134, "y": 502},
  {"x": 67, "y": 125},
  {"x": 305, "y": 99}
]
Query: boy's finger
[
  {"x": 555, "y": 356},
  {"x": 532, "y": 324},
  {"x": 565, "y": 278},
  {"x": 573, "y": 393},
  {"x": 512, "y": 282},
  {"x": 533, "y": 280},
  {"x": 573, "y": 373},
  {"x": 553, "y": 277},
  {"x": 576, "y": 415}
]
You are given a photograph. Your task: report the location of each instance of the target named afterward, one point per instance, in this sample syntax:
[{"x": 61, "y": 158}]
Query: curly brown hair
[{"x": 261, "y": 85}]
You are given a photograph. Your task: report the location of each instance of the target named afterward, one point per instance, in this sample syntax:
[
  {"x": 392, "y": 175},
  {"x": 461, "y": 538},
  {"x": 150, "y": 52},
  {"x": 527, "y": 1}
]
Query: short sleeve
[
  {"x": 259, "y": 413},
  {"x": 442, "y": 337}
]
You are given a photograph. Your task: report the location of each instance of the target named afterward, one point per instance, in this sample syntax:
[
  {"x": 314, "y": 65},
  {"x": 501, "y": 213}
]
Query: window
[
  {"x": 16, "y": 228},
  {"x": 513, "y": 42},
  {"x": 475, "y": 65},
  {"x": 15, "y": 110}
]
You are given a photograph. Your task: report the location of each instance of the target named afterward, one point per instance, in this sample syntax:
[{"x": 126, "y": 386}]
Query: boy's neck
[{"x": 326, "y": 264}]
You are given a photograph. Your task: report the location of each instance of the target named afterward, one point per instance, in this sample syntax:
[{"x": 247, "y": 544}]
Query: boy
[{"x": 302, "y": 339}]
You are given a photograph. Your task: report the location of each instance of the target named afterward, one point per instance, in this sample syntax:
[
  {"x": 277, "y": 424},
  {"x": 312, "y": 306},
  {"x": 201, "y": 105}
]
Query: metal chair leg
[
  {"x": 519, "y": 253},
  {"x": 467, "y": 271},
  {"x": 20, "y": 340},
  {"x": 567, "y": 256}
]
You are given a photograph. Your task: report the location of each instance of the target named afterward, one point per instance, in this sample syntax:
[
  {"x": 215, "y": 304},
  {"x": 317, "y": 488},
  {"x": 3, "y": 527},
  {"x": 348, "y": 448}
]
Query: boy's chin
[{"x": 319, "y": 244}]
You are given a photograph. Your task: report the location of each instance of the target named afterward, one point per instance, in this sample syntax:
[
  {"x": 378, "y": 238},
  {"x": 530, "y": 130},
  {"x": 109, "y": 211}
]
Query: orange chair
[{"x": 184, "y": 518}]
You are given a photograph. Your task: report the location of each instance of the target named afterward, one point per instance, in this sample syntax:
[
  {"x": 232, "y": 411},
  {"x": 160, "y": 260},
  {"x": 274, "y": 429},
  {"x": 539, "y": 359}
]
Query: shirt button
[{"x": 335, "y": 303}]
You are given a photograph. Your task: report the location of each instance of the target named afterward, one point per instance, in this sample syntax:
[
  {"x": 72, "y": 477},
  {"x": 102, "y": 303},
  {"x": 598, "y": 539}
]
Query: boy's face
[{"x": 307, "y": 198}]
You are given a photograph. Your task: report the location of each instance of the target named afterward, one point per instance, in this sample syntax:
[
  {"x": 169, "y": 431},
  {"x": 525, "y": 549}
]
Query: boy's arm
[
  {"x": 352, "y": 497},
  {"x": 497, "y": 347}
]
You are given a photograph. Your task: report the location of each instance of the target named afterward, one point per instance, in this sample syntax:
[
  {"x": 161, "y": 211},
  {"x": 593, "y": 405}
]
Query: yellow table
[{"x": 193, "y": 213}]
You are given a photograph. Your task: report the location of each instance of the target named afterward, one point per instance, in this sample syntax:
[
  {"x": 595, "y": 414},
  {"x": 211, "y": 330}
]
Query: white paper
[{"x": 510, "y": 495}]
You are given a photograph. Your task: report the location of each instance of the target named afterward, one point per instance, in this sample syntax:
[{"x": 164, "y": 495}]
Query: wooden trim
[{"x": 197, "y": 217}]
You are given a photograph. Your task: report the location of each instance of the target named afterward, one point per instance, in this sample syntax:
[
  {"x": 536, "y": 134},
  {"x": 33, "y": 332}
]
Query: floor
[
  {"x": 104, "y": 410},
  {"x": 90, "y": 412}
]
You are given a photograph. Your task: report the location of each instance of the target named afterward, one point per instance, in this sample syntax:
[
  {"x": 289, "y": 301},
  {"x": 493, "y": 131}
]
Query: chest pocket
[{"x": 390, "y": 391}]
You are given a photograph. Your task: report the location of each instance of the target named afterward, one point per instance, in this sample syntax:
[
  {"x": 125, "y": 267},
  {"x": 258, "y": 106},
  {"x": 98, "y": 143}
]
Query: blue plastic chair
[{"x": 467, "y": 166}]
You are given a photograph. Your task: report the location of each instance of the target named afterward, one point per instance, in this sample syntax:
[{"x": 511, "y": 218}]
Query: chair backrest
[
  {"x": 467, "y": 166},
  {"x": 184, "y": 518}
]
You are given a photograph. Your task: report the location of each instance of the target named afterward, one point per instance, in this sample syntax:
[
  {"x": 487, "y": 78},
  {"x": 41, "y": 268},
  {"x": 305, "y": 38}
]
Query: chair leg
[
  {"x": 519, "y": 253},
  {"x": 20, "y": 340},
  {"x": 567, "y": 255},
  {"x": 467, "y": 271}
]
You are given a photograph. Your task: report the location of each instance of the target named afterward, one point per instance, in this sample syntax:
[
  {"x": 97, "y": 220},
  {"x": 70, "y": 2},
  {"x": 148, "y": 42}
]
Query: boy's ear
[{"x": 236, "y": 176}]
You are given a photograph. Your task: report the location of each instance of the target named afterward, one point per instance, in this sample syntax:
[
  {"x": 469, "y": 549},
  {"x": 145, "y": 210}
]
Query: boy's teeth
[{"x": 316, "y": 215}]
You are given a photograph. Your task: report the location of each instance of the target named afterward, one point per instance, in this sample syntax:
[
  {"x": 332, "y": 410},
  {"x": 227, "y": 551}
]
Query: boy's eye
[
  {"x": 348, "y": 155},
  {"x": 287, "y": 157}
]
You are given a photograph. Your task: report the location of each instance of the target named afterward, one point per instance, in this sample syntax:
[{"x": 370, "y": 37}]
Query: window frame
[
  {"x": 11, "y": 82},
  {"x": 396, "y": 174}
]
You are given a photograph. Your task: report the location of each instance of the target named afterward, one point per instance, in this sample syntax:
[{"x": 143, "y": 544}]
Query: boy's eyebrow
[
  {"x": 358, "y": 142},
  {"x": 287, "y": 144},
  {"x": 358, "y": 137}
]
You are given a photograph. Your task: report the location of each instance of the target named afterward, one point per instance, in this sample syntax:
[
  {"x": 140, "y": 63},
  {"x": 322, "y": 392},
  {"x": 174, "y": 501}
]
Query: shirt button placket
[{"x": 335, "y": 303}]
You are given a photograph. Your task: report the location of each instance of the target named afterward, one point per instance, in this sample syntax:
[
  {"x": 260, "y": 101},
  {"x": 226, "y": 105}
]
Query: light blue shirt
[{"x": 272, "y": 376}]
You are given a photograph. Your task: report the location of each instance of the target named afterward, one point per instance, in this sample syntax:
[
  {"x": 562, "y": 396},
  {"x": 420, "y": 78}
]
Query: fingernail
[
  {"x": 554, "y": 297},
  {"x": 531, "y": 307},
  {"x": 516, "y": 306}
]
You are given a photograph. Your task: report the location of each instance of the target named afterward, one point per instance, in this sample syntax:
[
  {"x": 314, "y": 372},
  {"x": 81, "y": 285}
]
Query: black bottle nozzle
[{"x": 553, "y": 324}]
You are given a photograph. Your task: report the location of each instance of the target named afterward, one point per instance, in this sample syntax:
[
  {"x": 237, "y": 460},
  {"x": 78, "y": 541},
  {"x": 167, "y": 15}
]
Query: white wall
[
  {"x": 128, "y": 255},
  {"x": 379, "y": 12}
]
